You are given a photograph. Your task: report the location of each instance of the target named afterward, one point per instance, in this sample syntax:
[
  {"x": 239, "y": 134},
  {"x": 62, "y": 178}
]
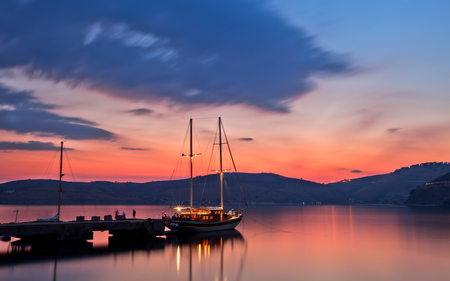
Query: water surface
[{"x": 272, "y": 243}]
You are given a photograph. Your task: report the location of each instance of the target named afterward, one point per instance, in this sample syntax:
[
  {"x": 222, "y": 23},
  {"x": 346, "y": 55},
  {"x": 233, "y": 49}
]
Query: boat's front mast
[{"x": 60, "y": 179}]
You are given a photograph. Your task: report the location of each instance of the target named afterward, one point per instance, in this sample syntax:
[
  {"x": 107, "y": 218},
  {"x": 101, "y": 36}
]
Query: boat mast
[
  {"x": 221, "y": 171},
  {"x": 60, "y": 178},
  {"x": 192, "y": 159}
]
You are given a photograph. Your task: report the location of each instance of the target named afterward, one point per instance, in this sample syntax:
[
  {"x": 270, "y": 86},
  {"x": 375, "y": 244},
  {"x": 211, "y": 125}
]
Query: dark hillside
[
  {"x": 435, "y": 193},
  {"x": 262, "y": 188},
  {"x": 392, "y": 188},
  {"x": 444, "y": 178},
  {"x": 258, "y": 188}
]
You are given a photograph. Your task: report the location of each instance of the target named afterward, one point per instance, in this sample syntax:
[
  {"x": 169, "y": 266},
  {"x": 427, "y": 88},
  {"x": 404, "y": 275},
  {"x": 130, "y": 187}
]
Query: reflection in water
[
  {"x": 214, "y": 250},
  {"x": 178, "y": 258},
  {"x": 210, "y": 250},
  {"x": 352, "y": 243},
  {"x": 350, "y": 218},
  {"x": 54, "y": 270},
  {"x": 22, "y": 252}
]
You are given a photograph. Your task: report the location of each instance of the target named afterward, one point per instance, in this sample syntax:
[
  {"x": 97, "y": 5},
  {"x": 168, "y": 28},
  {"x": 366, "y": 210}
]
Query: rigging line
[
  {"x": 281, "y": 230},
  {"x": 182, "y": 202},
  {"x": 176, "y": 201},
  {"x": 198, "y": 168},
  {"x": 178, "y": 164},
  {"x": 199, "y": 118},
  {"x": 234, "y": 165},
  {"x": 211, "y": 141},
  {"x": 178, "y": 167},
  {"x": 68, "y": 162},
  {"x": 173, "y": 195},
  {"x": 213, "y": 138},
  {"x": 175, "y": 173},
  {"x": 50, "y": 164},
  {"x": 199, "y": 148},
  {"x": 277, "y": 229}
]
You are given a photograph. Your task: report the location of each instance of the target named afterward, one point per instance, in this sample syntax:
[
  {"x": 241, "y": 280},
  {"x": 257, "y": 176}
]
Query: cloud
[
  {"x": 11, "y": 100},
  {"x": 140, "y": 111},
  {"x": 245, "y": 139},
  {"x": 20, "y": 112},
  {"x": 189, "y": 53},
  {"x": 31, "y": 145},
  {"x": 367, "y": 118},
  {"x": 133, "y": 148},
  {"x": 353, "y": 171},
  {"x": 392, "y": 130}
]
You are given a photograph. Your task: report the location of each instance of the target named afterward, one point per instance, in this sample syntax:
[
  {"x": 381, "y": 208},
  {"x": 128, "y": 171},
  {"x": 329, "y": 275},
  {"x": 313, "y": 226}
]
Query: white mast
[
  {"x": 192, "y": 160},
  {"x": 221, "y": 171},
  {"x": 60, "y": 179},
  {"x": 191, "y": 156}
]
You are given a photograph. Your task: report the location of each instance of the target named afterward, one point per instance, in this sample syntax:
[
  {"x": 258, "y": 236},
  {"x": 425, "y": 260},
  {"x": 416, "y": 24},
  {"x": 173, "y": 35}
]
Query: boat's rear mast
[
  {"x": 192, "y": 163},
  {"x": 60, "y": 179},
  {"x": 221, "y": 171}
]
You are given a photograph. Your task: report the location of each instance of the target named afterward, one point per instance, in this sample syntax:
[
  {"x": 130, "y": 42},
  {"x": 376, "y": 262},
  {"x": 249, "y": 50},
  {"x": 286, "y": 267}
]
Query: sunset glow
[{"x": 324, "y": 93}]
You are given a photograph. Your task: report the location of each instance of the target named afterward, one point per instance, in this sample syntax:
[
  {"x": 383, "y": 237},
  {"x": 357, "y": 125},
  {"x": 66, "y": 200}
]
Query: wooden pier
[{"x": 83, "y": 230}]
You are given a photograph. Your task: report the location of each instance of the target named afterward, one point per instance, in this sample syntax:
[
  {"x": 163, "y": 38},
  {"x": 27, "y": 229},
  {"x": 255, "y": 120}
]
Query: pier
[{"x": 83, "y": 230}]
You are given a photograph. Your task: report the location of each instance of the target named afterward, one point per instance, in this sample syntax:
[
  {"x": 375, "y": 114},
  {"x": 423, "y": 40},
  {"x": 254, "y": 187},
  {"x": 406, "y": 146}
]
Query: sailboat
[
  {"x": 57, "y": 216},
  {"x": 207, "y": 218}
]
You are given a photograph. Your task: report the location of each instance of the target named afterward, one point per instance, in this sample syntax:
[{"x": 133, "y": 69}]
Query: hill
[
  {"x": 259, "y": 188},
  {"x": 443, "y": 178},
  {"x": 435, "y": 193},
  {"x": 262, "y": 188},
  {"x": 391, "y": 188}
]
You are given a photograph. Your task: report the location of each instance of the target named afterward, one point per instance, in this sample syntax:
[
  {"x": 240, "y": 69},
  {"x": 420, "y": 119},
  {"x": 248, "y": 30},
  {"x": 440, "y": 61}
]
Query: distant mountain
[
  {"x": 262, "y": 188},
  {"x": 392, "y": 188},
  {"x": 435, "y": 193},
  {"x": 258, "y": 188}
]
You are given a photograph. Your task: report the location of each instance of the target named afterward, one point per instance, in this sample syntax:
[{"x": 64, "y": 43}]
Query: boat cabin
[{"x": 202, "y": 214}]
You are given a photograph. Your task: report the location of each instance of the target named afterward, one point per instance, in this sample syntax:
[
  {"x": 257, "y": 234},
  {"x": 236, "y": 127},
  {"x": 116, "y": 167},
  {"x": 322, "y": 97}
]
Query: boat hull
[{"x": 195, "y": 226}]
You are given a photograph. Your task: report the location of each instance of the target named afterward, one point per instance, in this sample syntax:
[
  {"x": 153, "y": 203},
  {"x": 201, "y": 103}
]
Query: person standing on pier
[{"x": 134, "y": 213}]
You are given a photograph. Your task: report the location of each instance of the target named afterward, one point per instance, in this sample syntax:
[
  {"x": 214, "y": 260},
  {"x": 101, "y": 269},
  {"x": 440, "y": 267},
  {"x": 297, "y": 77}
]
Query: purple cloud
[{"x": 189, "y": 53}]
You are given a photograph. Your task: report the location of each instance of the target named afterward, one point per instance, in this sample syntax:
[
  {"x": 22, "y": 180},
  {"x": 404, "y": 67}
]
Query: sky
[{"x": 318, "y": 90}]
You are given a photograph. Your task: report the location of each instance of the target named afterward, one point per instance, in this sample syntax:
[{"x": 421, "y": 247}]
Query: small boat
[
  {"x": 206, "y": 218},
  {"x": 55, "y": 218}
]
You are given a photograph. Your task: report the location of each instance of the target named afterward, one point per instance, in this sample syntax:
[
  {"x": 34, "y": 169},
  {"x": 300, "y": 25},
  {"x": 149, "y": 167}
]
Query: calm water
[{"x": 272, "y": 243}]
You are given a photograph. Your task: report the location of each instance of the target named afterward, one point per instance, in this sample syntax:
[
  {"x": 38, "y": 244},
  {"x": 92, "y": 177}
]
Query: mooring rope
[{"x": 286, "y": 231}]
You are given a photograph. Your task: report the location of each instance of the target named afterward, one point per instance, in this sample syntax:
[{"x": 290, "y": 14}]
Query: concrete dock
[{"x": 82, "y": 230}]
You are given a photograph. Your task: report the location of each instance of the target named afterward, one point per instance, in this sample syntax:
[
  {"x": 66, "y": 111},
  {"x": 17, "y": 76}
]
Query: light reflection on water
[{"x": 272, "y": 243}]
